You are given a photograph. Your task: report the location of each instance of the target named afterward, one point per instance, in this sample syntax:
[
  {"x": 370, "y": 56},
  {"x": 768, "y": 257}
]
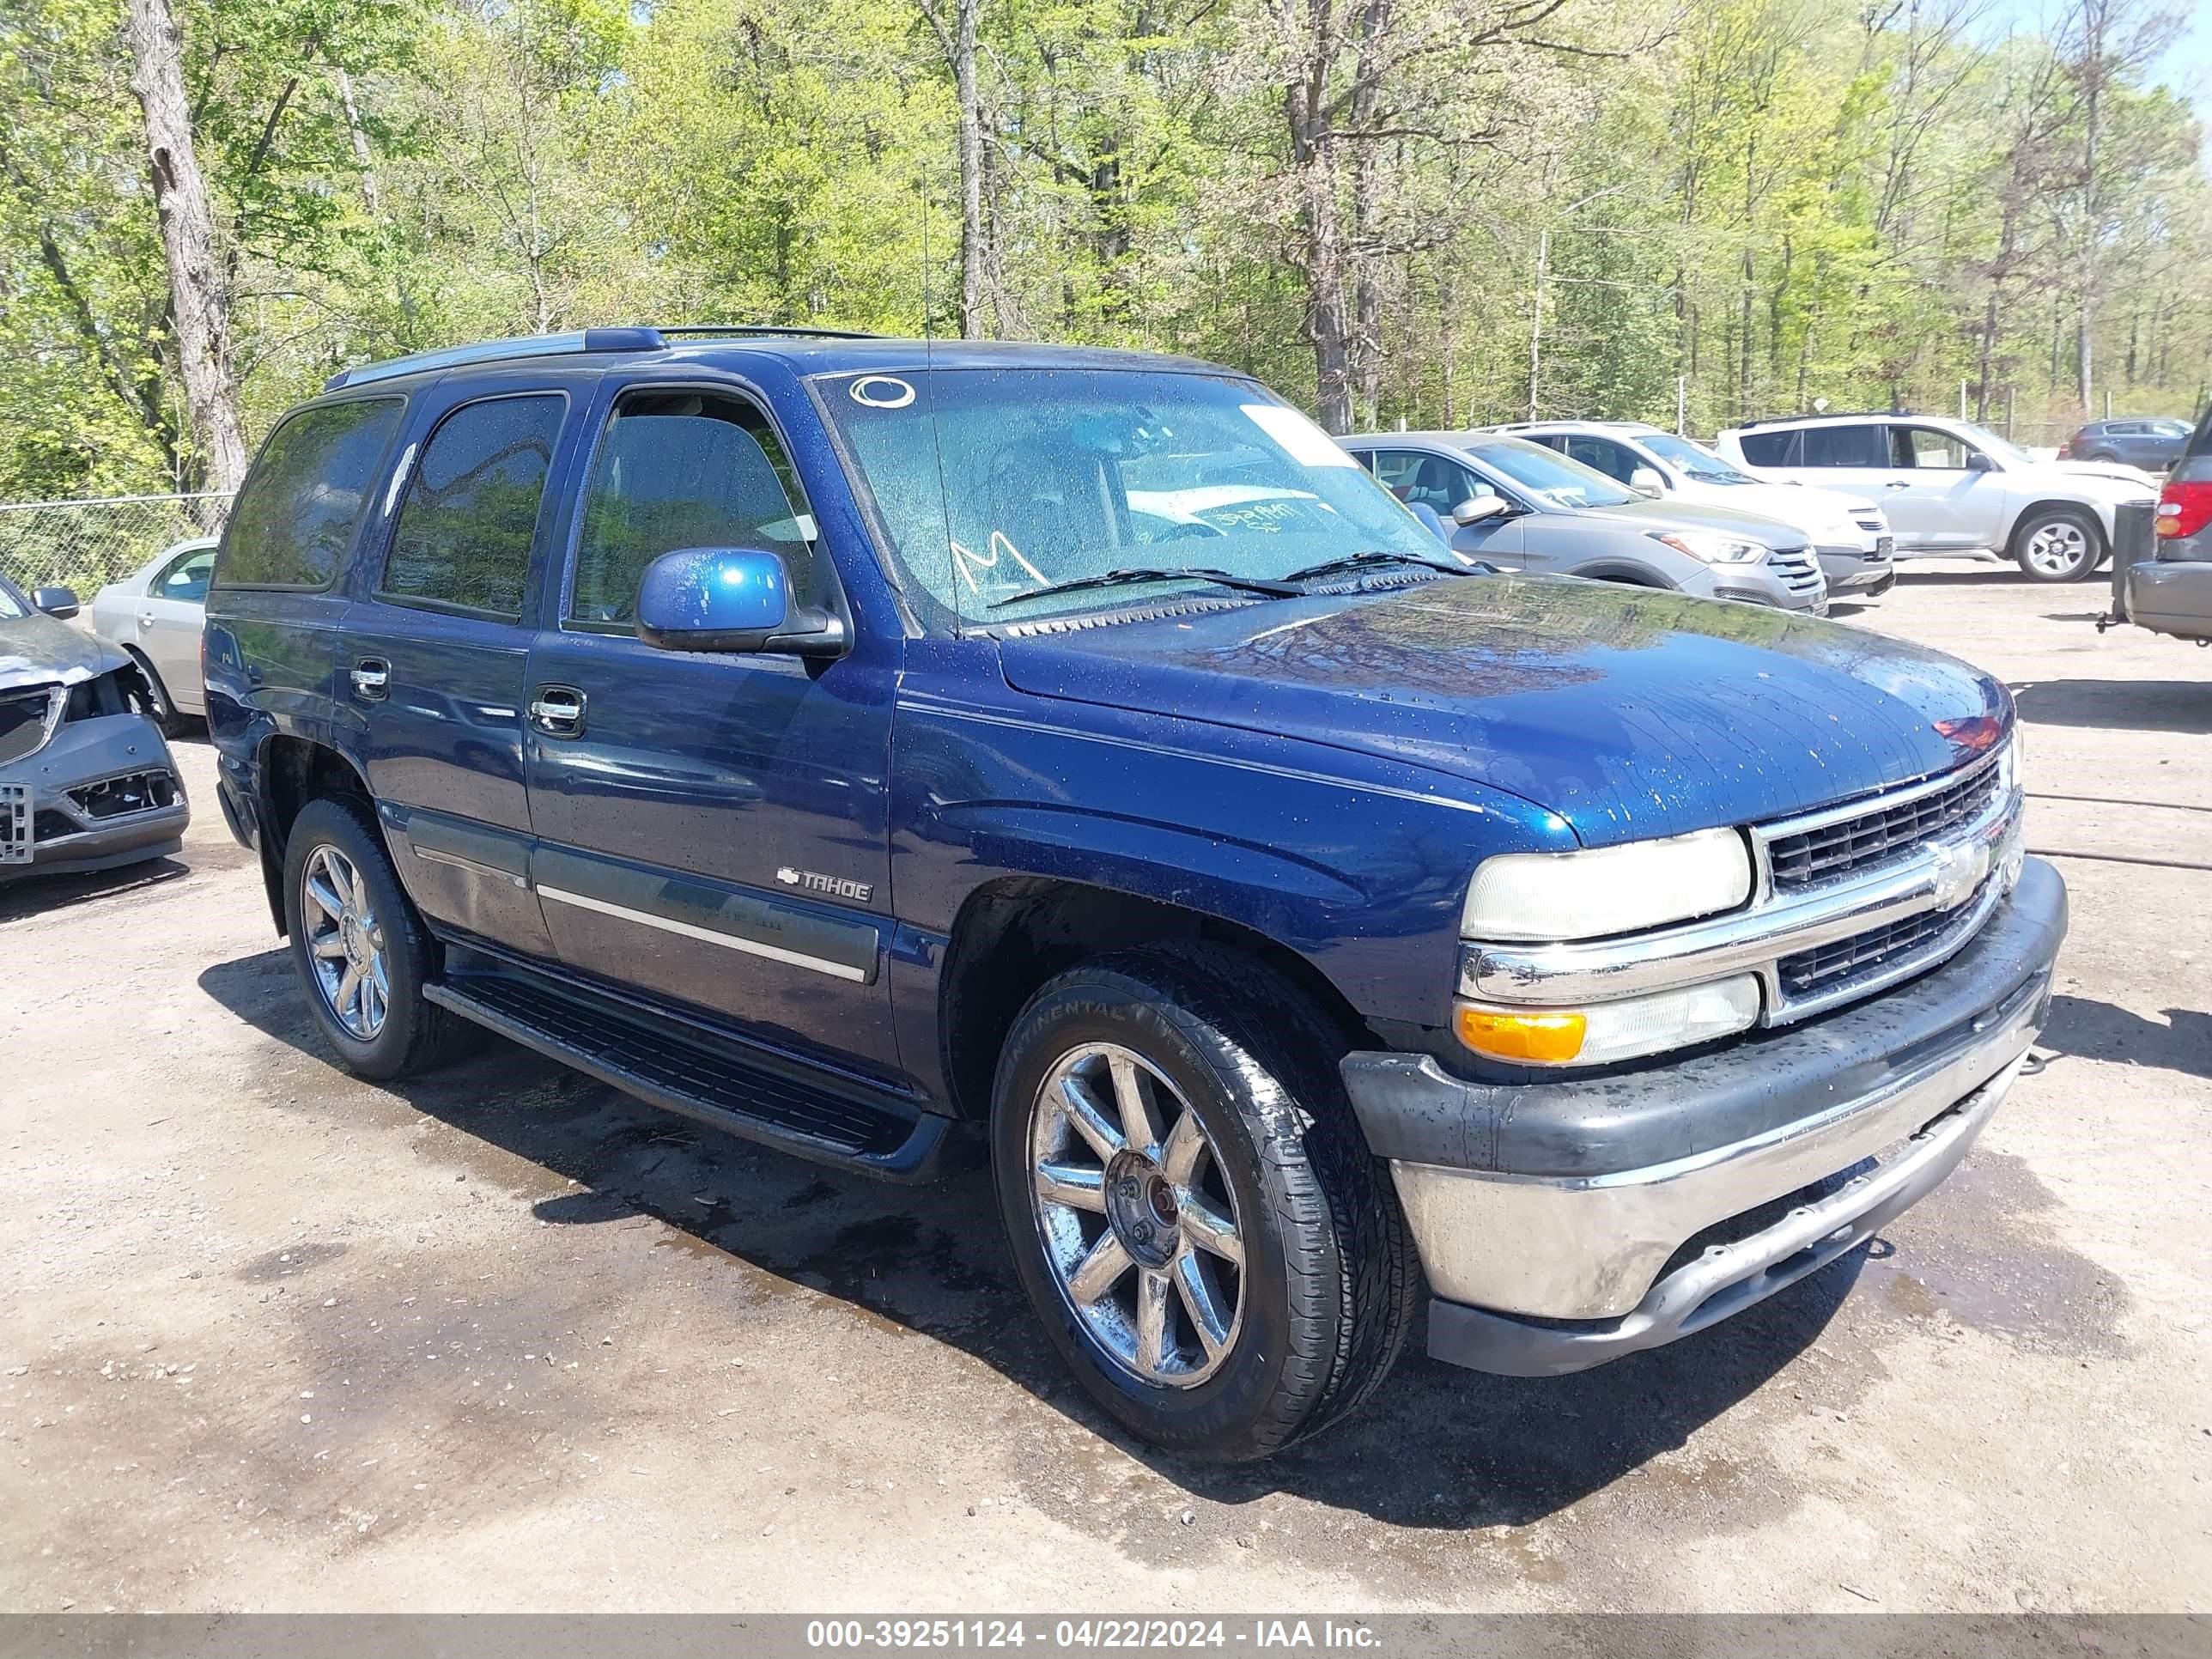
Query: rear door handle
[
  {"x": 372, "y": 678},
  {"x": 1898, "y": 484},
  {"x": 557, "y": 711}
]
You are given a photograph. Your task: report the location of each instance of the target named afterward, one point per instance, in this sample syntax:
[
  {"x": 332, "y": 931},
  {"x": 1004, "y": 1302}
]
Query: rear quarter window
[
  {"x": 1768, "y": 448},
  {"x": 303, "y": 500}
]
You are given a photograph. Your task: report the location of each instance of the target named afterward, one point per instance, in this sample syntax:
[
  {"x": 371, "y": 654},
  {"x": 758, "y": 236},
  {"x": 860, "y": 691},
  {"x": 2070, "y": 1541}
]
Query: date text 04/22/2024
[{"x": 1292, "y": 1635}]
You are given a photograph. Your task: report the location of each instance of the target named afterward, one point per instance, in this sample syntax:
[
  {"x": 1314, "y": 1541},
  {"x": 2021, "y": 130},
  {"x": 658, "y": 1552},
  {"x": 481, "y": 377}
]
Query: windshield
[
  {"x": 1550, "y": 476},
  {"x": 13, "y": 605},
  {"x": 2004, "y": 448},
  {"x": 1027, "y": 478},
  {"x": 1695, "y": 462}
]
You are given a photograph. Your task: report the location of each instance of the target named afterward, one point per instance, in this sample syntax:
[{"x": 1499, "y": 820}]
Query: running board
[{"x": 702, "y": 1082}]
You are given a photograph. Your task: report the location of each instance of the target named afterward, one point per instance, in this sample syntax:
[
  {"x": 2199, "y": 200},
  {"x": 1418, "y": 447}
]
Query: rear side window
[
  {"x": 1846, "y": 445},
  {"x": 678, "y": 470},
  {"x": 297, "y": 515},
  {"x": 186, "y": 578},
  {"x": 470, "y": 518},
  {"x": 1770, "y": 448}
]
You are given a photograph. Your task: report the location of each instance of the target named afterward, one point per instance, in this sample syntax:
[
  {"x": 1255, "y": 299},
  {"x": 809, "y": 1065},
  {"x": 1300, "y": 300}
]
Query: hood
[
  {"x": 1817, "y": 512},
  {"x": 1628, "y": 711},
  {"x": 1675, "y": 513},
  {"x": 2131, "y": 480},
  {"x": 38, "y": 648}
]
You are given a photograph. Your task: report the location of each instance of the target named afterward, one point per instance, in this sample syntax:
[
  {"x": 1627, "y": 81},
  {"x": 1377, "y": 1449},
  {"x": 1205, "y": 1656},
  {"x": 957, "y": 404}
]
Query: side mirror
[
  {"x": 56, "y": 601},
  {"x": 1644, "y": 481},
  {"x": 1978, "y": 462},
  {"x": 1475, "y": 508},
  {"x": 730, "y": 599},
  {"x": 1427, "y": 516}
]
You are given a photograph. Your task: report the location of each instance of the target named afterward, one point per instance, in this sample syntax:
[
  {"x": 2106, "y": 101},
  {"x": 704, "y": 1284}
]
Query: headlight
[
  {"x": 1708, "y": 548},
  {"x": 1603, "y": 1032},
  {"x": 1519, "y": 897}
]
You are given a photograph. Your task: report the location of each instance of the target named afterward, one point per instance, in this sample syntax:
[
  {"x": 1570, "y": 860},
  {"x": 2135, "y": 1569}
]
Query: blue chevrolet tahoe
[{"x": 876, "y": 747}]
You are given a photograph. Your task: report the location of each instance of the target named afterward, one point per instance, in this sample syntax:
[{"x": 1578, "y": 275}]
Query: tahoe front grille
[{"x": 1878, "y": 833}]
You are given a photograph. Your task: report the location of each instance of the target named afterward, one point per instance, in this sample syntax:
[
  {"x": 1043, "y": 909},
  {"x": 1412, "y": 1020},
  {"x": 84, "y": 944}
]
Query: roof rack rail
[
  {"x": 1829, "y": 415},
  {"x": 641, "y": 337},
  {"x": 769, "y": 330},
  {"x": 493, "y": 351}
]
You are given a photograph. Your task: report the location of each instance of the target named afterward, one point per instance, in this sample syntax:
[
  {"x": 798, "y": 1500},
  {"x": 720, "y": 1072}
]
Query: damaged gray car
[{"x": 87, "y": 782}]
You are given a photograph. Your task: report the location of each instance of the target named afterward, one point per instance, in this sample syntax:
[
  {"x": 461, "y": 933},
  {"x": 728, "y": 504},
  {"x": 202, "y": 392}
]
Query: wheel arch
[
  {"x": 2047, "y": 504},
  {"x": 292, "y": 771},
  {"x": 1015, "y": 933}
]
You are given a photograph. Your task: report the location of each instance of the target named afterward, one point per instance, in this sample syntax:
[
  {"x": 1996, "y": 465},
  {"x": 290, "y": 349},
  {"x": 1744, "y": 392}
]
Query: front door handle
[
  {"x": 1898, "y": 484},
  {"x": 558, "y": 711},
  {"x": 372, "y": 678}
]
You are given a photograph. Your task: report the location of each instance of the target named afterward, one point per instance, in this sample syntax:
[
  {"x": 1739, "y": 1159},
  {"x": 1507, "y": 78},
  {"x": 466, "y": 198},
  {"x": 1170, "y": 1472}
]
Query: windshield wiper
[
  {"x": 1372, "y": 561},
  {"x": 1161, "y": 573}
]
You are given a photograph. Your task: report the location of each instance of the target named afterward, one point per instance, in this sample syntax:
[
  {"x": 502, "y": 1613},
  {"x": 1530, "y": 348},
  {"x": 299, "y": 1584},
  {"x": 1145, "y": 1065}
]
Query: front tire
[
  {"x": 1192, "y": 1209},
  {"x": 2058, "y": 545},
  {"x": 361, "y": 951}
]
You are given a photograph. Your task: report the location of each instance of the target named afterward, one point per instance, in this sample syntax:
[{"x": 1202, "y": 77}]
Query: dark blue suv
[{"x": 874, "y": 747}]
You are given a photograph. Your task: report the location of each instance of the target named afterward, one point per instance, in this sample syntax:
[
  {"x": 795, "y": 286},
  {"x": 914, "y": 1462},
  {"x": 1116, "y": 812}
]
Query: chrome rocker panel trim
[{"x": 1949, "y": 873}]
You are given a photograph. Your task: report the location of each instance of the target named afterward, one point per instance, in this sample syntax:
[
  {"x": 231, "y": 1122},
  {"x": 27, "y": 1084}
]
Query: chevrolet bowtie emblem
[{"x": 1958, "y": 871}]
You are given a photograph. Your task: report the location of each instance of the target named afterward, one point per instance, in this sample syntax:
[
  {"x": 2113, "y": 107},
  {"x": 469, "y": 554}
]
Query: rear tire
[
  {"x": 2055, "y": 544},
  {"x": 1244, "y": 1356},
  {"x": 361, "y": 951}
]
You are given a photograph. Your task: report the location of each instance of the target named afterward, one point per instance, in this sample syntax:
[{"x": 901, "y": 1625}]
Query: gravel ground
[{"x": 501, "y": 1339}]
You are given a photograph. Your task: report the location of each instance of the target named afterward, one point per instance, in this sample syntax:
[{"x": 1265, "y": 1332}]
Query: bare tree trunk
[
  {"x": 199, "y": 291},
  {"x": 973, "y": 258},
  {"x": 369, "y": 194}
]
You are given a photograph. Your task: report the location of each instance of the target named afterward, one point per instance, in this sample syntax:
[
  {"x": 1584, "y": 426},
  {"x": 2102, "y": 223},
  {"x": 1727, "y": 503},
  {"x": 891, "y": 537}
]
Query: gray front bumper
[
  {"x": 36, "y": 793},
  {"x": 1551, "y": 1217}
]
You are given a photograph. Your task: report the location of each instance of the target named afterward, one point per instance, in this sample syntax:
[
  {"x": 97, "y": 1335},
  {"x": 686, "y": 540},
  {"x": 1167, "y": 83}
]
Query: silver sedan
[{"x": 156, "y": 614}]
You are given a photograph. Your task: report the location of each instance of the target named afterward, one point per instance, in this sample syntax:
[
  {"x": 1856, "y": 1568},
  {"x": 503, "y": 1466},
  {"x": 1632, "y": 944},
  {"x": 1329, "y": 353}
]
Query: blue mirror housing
[{"x": 729, "y": 599}]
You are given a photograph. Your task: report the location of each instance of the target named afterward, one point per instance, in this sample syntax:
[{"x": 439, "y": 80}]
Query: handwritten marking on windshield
[{"x": 967, "y": 560}]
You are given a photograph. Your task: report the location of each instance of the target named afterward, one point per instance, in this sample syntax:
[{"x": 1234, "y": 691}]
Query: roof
[{"x": 803, "y": 351}]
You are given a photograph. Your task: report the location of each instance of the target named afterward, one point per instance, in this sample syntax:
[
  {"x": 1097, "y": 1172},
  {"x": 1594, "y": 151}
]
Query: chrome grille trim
[
  {"x": 1802, "y": 851},
  {"x": 1961, "y": 875}
]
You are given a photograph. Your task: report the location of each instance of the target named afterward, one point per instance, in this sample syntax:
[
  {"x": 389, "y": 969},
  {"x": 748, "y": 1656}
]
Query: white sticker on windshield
[
  {"x": 1308, "y": 444},
  {"x": 880, "y": 392}
]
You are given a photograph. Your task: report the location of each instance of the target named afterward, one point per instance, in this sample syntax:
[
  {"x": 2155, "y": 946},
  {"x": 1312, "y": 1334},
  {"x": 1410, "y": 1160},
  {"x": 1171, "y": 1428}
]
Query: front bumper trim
[{"x": 1725, "y": 1279}]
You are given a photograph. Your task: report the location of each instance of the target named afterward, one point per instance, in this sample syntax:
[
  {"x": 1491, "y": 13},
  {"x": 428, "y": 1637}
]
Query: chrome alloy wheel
[
  {"x": 1136, "y": 1216},
  {"x": 2058, "y": 548},
  {"x": 345, "y": 942}
]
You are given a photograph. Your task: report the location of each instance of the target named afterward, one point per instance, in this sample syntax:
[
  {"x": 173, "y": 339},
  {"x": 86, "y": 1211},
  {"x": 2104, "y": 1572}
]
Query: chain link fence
[{"x": 87, "y": 545}]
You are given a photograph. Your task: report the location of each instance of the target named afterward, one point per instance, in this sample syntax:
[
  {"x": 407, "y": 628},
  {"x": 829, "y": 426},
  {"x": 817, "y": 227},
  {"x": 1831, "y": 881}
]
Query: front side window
[
  {"x": 13, "y": 606},
  {"x": 470, "y": 518},
  {"x": 297, "y": 515},
  {"x": 1427, "y": 480},
  {"x": 684, "y": 469},
  {"x": 1847, "y": 446},
  {"x": 1603, "y": 455},
  {"x": 991, "y": 484},
  {"x": 186, "y": 577},
  {"x": 1926, "y": 448}
]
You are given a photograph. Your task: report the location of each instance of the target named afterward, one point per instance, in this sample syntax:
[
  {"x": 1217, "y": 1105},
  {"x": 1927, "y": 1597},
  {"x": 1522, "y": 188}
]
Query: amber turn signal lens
[{"x": 1551, "y": 1036}]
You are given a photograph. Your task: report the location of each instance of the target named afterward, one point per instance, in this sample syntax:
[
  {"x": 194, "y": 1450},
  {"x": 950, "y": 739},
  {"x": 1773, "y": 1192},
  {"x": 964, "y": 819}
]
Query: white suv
[
  {"x": 1848, "y": 533},
  {"x": 1952, "y": 487}
]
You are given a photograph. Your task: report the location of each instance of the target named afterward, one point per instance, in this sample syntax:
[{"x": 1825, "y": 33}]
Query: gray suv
[
  {"x": 2172, "y": 593},
  {"x": 1522, "y": 506}
]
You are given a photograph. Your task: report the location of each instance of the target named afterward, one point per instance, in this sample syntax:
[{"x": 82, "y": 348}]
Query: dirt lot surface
[{"x": 276, "y": 1339}]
